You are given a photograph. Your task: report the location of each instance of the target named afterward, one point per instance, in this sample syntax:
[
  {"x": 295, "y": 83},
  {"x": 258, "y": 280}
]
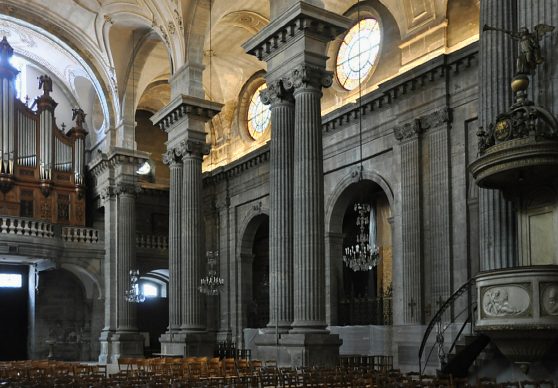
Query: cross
[
  {"x": 412, "y": 305},
  {"x": 440, "y": 301}
]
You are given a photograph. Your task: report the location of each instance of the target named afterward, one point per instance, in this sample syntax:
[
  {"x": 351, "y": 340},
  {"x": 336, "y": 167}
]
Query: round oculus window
[
  {"x": 259, "y": 115},
  {"x": 358, "y": 53}
]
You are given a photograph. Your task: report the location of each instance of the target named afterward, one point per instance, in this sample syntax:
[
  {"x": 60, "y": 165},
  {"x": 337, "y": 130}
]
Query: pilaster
[{"x": 411, "y": 221}]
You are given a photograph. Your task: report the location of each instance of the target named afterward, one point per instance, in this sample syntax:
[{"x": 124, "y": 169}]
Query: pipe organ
[{"x": 41, "y": 167}]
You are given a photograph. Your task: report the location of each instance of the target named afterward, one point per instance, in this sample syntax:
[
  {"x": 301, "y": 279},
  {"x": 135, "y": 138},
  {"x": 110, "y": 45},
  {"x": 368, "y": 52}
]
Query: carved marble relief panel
[
  {"x": 503, "y": 301},
  {"x": 549, "y": 299}
]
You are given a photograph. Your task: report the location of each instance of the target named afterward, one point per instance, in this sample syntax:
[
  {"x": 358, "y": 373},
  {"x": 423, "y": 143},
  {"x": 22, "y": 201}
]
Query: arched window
[
  {"x": 259, "y": 115},
  {"x": 358, "y": 53}
]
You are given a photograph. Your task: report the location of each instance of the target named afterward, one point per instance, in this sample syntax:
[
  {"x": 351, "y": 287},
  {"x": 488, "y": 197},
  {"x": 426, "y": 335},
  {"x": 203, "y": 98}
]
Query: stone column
[
  {"x": 173, "y": 159},
  {"x": 115, "y": 175},
  {"x": 298, "y": 58},
  {"x": 184, "y": 120},
  {"x": 308, "y": 200},
  {"x": 192, "y": 316},
  {"x": 411, "y": 221},
  {"x": 281, "y": 206},
  {"x": 125, "y": 254},
  {"x": 497, "y": 219}
]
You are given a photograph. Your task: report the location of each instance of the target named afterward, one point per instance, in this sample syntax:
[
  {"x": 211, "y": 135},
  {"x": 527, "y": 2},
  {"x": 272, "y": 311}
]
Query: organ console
[{"x": 41, "y": 167}]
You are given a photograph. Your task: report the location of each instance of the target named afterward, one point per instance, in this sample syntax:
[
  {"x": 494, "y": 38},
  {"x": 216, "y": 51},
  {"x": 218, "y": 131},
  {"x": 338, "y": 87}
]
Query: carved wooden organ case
[{"x": 42, "y": 168}]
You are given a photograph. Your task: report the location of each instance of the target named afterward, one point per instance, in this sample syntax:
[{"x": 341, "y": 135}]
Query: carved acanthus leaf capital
[
  {"x": 307, "y": 76},
  {"x": 194, "y": 148},
  {"x": 172, "y": 156},
  {"x": 107, "y": 193},
  {"x": 276, "y": 93},
  {"x": 127, "y": 188},
  {"x": 407, "y": 130}
]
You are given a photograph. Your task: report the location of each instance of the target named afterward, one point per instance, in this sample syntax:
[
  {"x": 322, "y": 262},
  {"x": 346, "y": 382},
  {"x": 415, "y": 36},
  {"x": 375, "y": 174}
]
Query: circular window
[
  {"x": 358, "y": 53},
  {"x": 259, "y": 115}
]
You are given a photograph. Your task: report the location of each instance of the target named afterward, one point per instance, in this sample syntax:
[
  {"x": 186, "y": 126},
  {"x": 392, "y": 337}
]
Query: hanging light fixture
[
  {"x": 211, "y": 283},
  {"x": 134, "y": 294},
  {"x": 365, "y": 254}
]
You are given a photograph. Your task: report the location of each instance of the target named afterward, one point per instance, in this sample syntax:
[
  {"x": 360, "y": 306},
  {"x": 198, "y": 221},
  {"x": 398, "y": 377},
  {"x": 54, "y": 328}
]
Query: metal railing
[{"x": 436, "y": 322}]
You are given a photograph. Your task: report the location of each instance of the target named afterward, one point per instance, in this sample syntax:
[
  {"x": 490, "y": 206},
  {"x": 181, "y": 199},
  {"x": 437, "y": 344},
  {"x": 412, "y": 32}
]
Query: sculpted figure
[{"x": 529, "y": 56}]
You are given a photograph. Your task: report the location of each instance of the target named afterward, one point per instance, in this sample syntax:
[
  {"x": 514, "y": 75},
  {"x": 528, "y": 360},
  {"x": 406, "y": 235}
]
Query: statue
[
  {"x": 79, "y": 116},
  {"x": 529, "y": 56},
  {"x": 45, "y": 83}
]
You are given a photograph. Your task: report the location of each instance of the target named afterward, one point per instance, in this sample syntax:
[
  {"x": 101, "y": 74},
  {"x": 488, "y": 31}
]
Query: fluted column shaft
[
  {"x": 281, "y": 206},
  {"x": 126, "y": 256},
  {"x": 497, "y": 220},
  {"x": 192, "y": 316},
  {"x": 308, "y": 205},
  {"x": 175, "y": 238}
]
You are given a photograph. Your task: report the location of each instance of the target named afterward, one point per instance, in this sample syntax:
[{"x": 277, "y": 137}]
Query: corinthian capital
[
  {"x": 106, "y": 193},
  {"x": 307, "y": 76},
  {"x": 194, "y": 148},
  {"x": 126, "y": 188},
  {"x": 172, "y": 156},
  {"x": 276, "y": 93}
]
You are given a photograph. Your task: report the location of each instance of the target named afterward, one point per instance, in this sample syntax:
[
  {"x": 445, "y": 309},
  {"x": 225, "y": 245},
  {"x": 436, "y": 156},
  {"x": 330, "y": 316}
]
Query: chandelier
[
  {"x": 211, "y": 284},
  {"x": 363, "y": 256},
  {"x": 134, "y": 294}
]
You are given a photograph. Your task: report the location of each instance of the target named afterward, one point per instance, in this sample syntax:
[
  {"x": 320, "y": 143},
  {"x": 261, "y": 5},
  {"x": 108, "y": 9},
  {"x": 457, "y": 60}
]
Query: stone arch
[
  {"x": 336, "y": 207},
  {"x": 78, "y": 43},
  {"x": 91, "y": 284},
  {"x": 252, "y": 222},
  {"x": 335, "y": 199}
]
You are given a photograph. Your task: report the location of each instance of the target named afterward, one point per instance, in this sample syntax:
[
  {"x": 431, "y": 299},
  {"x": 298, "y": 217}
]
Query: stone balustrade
[
  {"x": 26, "y": 227},
  {"x": 77, "y": 234},
  {"x": 152, "y": 241}
]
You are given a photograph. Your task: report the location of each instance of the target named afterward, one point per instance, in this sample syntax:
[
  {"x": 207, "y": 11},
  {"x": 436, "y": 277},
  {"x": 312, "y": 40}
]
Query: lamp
[
  {"x": 133, "y": 293},
  {"x": 211, "y": 283},
  {"x": 365, "y": 254}
]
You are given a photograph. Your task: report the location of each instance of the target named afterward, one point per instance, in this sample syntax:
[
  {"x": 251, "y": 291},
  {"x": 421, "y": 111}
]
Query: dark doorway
[
  {"x": 153, "y": 317},
  {"x": 14, "y": 308},
  {"x": 258, "y": 309}
]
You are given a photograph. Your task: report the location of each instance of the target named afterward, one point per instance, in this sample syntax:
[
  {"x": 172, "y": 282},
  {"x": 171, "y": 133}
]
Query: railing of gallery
[
  {"x": 21, "y": 226},
  {"x": 365, "y": 311},
  {"x": 442, "y": 321}
]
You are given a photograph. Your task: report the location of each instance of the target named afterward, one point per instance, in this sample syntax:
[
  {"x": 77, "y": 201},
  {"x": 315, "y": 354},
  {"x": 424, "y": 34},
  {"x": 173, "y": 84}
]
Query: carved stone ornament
[
  {"x": 106, "y": 193},
  {"x": 172, "y": 156},
  {"x": 549, "y": 299},
  {"x": 307, "y": 76},
  {"x": 194, "y": 148},
  {"x": 127, "y": 188},
  {"x": 276, "y": 93},
  {"x": 422, "y": 124},
  {"x": 407, "y": 130},
  {"x": 505, "y": 301}
]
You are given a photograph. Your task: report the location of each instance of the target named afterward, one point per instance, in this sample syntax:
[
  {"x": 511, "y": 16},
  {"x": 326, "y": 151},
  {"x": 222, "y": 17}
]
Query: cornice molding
[{"x": 185, "y": 106}]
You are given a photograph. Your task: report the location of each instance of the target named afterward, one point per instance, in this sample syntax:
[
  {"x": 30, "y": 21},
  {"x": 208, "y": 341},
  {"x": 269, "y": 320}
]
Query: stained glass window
[
  {"x": 358, "y": 53},
  {"x": 259, "y": 115}
]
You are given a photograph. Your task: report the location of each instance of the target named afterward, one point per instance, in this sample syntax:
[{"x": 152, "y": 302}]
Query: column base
[
  {"x": 305, "y": 349},
  {"x": 188, "y": 344},
  {"x": 115, "y": 344}
]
